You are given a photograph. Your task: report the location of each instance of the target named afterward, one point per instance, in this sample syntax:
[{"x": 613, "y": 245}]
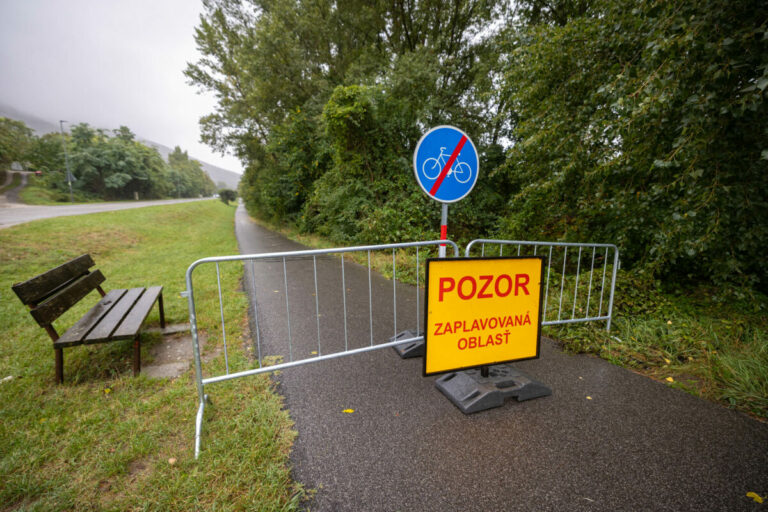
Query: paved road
[
  {"x": 636, "y": 445},
  {"x": 13, "y": 212}
]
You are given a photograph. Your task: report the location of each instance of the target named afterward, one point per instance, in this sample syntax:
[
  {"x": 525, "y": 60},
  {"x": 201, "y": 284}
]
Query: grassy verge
[
  {"x": 105, "y": 440},
  {"x": 710, "y": 343},
  {"x": 37, "y": 194},
  {"x": 15, "y": 182}
]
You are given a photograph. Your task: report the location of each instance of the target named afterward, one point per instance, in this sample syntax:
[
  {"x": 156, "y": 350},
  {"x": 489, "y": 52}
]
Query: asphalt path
[
  {"x": 606, "y": 439},
  {"x": 13, "y": 212}
]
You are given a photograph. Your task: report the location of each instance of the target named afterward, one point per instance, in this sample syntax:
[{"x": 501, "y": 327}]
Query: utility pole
[{"x": 66, "y": 158}]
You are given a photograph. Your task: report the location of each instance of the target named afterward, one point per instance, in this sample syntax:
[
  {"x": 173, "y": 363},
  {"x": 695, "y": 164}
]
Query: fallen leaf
[
  {"x": 348, "y": 411},
  {"x": 756, "y": 497},
  {"x": 670, "y": 379},
  {"x": 313, "y": 353},
  {"x": 172, "y": 461},
  {"x": 589, "y": 398},
  {"x": 667, "y": 360}
]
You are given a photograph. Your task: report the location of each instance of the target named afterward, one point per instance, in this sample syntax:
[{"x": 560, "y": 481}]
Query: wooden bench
[{"x": 119, "y": 314}]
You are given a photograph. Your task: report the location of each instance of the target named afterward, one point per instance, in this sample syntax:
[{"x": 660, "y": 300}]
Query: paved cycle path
[{"x": 634, "y": 444}]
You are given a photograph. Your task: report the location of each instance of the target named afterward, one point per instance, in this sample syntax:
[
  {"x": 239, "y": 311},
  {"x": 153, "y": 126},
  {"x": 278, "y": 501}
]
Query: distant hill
[{"x": 41, "y": 126}]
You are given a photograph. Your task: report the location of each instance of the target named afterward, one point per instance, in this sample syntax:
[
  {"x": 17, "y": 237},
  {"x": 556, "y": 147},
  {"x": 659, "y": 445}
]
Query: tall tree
[
  {"x": 644, "y": 124},
  {"x": 15, "y": 139}
]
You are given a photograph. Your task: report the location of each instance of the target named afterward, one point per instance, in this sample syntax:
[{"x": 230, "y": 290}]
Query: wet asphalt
[{"x": 606, "y": 439}]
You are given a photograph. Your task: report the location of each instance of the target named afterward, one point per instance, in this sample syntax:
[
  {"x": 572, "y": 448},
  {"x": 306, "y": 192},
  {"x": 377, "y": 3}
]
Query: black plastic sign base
[
  {"x": 409, "y": 350},
  {"x": 472, "y": 393}
]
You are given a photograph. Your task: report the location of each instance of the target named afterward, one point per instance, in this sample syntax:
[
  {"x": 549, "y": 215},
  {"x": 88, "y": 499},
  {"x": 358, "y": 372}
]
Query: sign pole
[{"x": 443, "y": 228}]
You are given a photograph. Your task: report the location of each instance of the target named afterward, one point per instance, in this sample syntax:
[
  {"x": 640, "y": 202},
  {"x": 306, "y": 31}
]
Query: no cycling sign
[{"x": 446, "y": 164}]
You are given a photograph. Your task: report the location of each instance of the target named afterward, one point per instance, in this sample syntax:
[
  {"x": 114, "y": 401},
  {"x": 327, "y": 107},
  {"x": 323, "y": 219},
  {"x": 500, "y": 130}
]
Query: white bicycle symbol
[{"x": 460, "y": 171}]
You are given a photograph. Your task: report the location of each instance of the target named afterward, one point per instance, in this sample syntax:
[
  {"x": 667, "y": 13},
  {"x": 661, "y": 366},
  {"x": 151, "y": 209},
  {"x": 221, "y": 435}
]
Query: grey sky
[{"x": 108, "y": 63}]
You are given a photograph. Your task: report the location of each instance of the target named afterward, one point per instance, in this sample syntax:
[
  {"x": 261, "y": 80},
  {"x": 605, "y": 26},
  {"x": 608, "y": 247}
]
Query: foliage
[
  {"x": 707, "y": 345},
  {"x": 15, "y": 138},
  {"x": 226, "y": 195},
  {"x": 643, "y": 124},
  {"x": 188, "y": 176},
  {"x": 325, "y": 101},
  {"x": 636, "y": 123},
  {"x": 104, "y": 167}
]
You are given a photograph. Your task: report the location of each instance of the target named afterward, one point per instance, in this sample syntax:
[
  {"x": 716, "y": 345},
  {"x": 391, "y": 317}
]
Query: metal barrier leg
[{"x": 199, "y": 427}]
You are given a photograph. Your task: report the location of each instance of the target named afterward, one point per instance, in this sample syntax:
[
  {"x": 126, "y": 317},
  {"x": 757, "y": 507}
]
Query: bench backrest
[{"x": 50, "y": 294}]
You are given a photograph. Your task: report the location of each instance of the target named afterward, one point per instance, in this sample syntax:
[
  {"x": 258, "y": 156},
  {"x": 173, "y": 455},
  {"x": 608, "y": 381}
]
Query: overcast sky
[{"x": 107, "y": 63}]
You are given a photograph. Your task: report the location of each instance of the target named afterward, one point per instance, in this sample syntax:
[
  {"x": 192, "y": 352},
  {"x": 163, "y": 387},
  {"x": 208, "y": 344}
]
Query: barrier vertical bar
[
  {"x": 223, "y": 328},
  {"x": 546, "y": 293},
  {"x": 613, "y": 288},
  {"x": 602, "y": 284},
  {"x": 576, "y": 288},
  {"x": 591, "y": 272},
  {"x": 562, "y": 283},
  {"x": 317, "y": 305},
  {"x": 256, "y": 313},
  {"x": 417, "y": 292},
  {"x": 370, "y": 299},
  {"x": 287, "y": 311},
  {"x": 394, "y": 290},
  {"x": 344, "y": 295}
]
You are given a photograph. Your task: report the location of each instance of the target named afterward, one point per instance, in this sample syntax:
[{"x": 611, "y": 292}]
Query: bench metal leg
[
  {"x": 162, "y": 311},
  {"x": 136, "y": 357},
  {"x": 59, "y": 365}
]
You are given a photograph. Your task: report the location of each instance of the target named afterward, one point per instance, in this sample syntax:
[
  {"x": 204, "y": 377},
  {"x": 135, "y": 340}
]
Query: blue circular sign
[{"x": 446, "y": 164}]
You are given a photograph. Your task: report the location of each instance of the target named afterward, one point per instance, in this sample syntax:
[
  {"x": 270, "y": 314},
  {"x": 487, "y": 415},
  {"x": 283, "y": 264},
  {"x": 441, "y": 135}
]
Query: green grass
[
  {"x": 103, "y": 439},
  {"x": 38, "y": 194},
  {"x": 15, "y": 182},
  {"x": 710, "y": 343}
]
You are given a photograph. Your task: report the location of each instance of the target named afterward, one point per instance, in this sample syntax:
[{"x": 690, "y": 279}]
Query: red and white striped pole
[{"x": 443, "y": 228}]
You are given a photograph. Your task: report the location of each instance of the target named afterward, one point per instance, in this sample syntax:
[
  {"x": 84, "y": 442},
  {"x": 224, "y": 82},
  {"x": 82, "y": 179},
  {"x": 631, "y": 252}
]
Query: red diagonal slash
[{"x": 448, "y": 166}]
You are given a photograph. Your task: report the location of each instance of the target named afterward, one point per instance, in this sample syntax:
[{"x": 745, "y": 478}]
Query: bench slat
[
  {"x": 76, "y": 333},
  {"x": 103, "y": 331},
  {"x": 57, "y": 305},
  {"x": 132, "y": 323},
  {"x": 34, "y": 290}
]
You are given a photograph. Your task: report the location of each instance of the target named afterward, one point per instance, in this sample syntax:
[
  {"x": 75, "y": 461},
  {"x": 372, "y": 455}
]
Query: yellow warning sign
[{"x": 481, "y": 311}]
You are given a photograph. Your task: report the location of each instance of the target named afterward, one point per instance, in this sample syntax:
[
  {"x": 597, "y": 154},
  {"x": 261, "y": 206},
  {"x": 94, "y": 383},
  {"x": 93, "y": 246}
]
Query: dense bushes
[{"x": 637, "y": 123}]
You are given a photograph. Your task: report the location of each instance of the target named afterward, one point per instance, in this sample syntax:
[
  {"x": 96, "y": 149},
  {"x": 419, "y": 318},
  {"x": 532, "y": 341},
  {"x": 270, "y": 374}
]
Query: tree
[
  {"x": 278, "y": 69},
  {"x": 188, "y": 176},
  {"x": 46, "y": 154},
  {"x": 15, "y": 138},
  {"x": 643, "y": 124},
  {"x": 226, "y": 195},
  {"x": 637, "y": 123}
]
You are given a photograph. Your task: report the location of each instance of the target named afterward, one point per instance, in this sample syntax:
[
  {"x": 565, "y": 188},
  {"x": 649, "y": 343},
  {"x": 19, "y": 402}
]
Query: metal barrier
[
  {"x": 333, "y": 291},
  {"x": 605, "y": 255}
]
